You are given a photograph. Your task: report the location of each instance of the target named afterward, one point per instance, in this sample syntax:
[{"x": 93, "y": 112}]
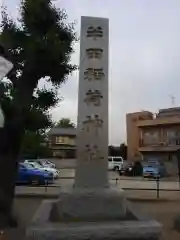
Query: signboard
[{"x": 5, "y": 67}]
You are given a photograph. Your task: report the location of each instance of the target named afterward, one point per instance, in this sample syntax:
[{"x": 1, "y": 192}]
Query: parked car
[
  {"x": 154, "y": 169},
  {"x": 46, "y": 163},
  {"x": 131, "y": 169},
  {"x": 150, "y": 171},
  {"x": 29, "y": 175},
  {"x": 36, "y": 165},
  {"x": 126, "y": 170},
  {"x": 115, "y": 163}
]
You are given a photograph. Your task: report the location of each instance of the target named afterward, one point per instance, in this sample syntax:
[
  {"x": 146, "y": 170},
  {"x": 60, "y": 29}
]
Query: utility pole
[{"x": 172, "y": 100}]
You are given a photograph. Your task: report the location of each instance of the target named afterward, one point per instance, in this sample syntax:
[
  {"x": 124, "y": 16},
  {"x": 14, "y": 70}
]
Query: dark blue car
[{"x": 29, "y": 175}]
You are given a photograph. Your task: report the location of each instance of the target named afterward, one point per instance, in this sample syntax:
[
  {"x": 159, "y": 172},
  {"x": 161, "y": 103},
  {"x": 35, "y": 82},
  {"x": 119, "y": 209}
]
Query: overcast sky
[{"x": 144, "y": 57}]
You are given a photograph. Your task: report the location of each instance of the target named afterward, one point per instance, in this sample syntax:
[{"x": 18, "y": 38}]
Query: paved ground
[
  {"x": 54, "y": 191},
  {"x": 137, "y": 186},
  {"x": 127, "y": 182},
  {"x": 164, "y": 212}
]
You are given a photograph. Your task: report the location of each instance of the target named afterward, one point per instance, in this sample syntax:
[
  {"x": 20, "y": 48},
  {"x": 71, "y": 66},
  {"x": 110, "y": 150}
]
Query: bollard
[
  {"x": 46, "y": 185},
  {"x": 2, "y": 235},
  {"x": 116, "y": 181},
  {"x": 157, "y": 183}
]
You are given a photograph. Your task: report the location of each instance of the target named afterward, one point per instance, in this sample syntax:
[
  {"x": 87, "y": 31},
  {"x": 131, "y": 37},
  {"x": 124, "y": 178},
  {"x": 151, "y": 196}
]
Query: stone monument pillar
[
  {"x": 92, "y": 134},
  {"x": 92, "y": 198},
  {"x": 91, "y": 209}
]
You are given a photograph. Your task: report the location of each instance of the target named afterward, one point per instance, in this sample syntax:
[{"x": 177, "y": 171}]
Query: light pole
[{"x": 5, "y": 68}]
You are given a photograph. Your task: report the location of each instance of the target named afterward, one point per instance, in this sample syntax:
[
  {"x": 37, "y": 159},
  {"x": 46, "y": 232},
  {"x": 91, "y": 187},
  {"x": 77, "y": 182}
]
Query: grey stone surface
[
  {"x": 87, "y": 204},
  {"x": 91, "y": 210},
  {"x": 91, "y": 170},
  {"x": 42, "y": 228},
  {"x": 177, "y": 223}
]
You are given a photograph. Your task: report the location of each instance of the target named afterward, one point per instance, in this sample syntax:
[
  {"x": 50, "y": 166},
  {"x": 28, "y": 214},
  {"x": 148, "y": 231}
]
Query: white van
[{"x": 115, "y": 163}]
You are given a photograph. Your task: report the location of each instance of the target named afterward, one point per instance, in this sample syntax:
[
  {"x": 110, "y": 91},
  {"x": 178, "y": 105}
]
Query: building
[
  {"x": 62, "y": 141},
  {"x": 151, "y": 137}
]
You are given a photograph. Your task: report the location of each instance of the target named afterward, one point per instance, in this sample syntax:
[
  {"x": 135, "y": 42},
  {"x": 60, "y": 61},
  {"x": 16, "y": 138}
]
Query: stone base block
[
  {"x": 87, "y": 204},
  {"x": 177, "y": 223},
  {"x": 90, "y": 226}
]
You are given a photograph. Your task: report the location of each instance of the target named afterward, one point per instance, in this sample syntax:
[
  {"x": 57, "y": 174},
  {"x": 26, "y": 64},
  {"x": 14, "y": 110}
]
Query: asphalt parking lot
[
  {"x": 132, "y": 185},
  {"x": 124, "y": 182},
  {"x": 136, "y": 189}
]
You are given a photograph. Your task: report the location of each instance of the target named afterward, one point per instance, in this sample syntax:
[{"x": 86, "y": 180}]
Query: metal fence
[{"x": 117, "y": 181}]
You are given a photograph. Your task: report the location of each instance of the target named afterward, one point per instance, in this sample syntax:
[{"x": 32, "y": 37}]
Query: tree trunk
[
  {"x": 10, "y": 141},
  {"x": 7, "y": 187}
]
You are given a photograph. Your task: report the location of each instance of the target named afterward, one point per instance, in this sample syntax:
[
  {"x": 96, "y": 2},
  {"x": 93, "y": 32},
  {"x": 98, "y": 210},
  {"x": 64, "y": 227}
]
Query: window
[
  {"x": 150, "y": 137},
  {"x": 117, "y": 159},
  {"x": 94, "y": 53},
  {"x": 95, "y": 32},
  {"x": 59, "y": 140},
  {"x": 171, "y": 136},
  {"x": 40, "y": 163}
]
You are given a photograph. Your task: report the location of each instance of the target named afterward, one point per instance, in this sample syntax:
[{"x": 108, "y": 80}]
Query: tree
[
  {"x": 39, "y": 44},
  {"x": 65, "y": 123},
  {"x": 123, "y": 150},
  {"x": 118, "y": 151},
  {"x": 34, "y": 145}
]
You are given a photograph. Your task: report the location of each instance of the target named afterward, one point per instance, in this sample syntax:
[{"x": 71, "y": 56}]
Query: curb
[
  {"x": 35, "y": 195},
  {"x": 152, "y": 200},
  {"x": 54, "y": 196}
]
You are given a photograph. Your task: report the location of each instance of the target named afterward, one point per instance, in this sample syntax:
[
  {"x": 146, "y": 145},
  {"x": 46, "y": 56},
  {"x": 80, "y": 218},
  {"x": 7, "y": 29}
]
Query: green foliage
[
  {"x": 123, "y": 150},
  {"x": 118, "y": 151},
  {"x": 35, "y": 145},
  {"x": 40, "y": 45},
  {"x": 65, "y": 123}
]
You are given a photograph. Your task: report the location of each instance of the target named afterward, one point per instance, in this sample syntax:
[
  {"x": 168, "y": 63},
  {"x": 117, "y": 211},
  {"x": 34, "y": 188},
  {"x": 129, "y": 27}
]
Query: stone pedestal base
[
  {"x": 90, "y": 204},
  {"x": 83, "y": 214}
]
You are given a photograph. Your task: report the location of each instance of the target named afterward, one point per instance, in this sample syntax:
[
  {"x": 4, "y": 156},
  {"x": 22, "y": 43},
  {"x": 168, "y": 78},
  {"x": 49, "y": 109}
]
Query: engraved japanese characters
[
  {"x": 93, "y": 97},
  {"x": 92, "y": 135},
  {"x": 92, "y": 124},
  {"x": 93, "y": 74}
]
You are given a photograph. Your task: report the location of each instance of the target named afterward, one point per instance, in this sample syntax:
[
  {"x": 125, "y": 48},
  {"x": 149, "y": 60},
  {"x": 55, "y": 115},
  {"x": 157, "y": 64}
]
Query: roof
[
  {"x": 159, "y": 121},
  {"x": 169, "y": 110},
  {"x": 159, "y": 149},
  {"x": 63, "y": 131}
]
